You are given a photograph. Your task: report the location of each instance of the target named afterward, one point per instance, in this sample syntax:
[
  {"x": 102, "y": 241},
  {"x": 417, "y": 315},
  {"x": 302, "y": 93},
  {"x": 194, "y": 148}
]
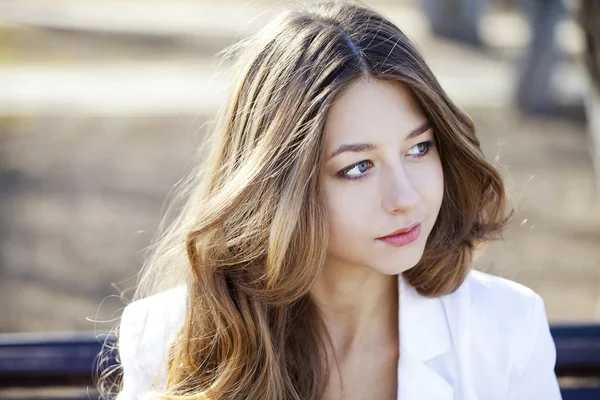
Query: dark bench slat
[
  {"x": 577, "y": 349},
  {"x": 40, "y": 359},
  {"x": 580, "y": 393},
  {"x": 36, "y": 360}
]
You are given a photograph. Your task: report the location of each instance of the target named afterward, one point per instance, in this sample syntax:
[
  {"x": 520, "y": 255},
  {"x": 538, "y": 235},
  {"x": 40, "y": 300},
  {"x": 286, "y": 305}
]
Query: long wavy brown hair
[{"x": 251, "y": 238}]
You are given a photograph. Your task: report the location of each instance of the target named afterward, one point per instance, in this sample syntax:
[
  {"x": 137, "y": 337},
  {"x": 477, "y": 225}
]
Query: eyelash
[{"x": 342, "y": 174}]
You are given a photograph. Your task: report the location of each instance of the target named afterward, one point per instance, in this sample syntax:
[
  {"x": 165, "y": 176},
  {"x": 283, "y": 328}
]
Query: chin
[
  {"x": 401, "y": 263},
  {"x": 396, "y": 268}
]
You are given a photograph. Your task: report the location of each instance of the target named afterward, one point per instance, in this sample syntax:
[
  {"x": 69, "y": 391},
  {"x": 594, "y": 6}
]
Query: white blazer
[{"x": 489, "y": 340}]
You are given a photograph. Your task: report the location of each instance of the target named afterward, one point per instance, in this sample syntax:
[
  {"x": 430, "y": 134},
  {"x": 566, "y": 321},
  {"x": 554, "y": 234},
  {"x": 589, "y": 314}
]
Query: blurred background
[{"x": 103, "y": 104}]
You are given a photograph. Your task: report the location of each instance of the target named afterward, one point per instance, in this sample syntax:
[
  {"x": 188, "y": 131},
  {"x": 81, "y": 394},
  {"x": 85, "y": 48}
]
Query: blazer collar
[{"x": 428, "y": 328}]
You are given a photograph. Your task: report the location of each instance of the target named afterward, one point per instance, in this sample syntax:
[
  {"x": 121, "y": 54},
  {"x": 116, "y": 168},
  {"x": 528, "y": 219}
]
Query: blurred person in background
[
  {"x": 325, "y": 249},
  {"x": 460, "y": 20},
  {"x": 535, "y": 90},
  {"x": 456, "y": 19}
]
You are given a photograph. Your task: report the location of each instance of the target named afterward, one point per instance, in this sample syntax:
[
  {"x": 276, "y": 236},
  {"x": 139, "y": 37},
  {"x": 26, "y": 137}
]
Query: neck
[{"x": 359, "y": 306}]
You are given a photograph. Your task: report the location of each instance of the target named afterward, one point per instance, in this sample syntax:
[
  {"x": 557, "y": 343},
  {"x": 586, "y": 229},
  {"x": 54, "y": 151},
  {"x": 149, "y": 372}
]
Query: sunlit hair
[{"x": 252, "y": 236}]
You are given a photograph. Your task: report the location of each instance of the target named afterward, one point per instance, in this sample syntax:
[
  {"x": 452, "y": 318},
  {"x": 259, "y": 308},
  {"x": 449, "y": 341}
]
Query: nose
[{"x": 400, "y": 194}]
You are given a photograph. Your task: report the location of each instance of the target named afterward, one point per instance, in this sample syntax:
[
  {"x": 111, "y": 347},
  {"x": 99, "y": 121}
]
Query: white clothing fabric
[{"x": 489, "y": 340}]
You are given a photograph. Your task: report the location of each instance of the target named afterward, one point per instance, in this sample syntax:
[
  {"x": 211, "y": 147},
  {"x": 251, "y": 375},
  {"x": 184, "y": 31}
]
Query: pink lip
[{"x": 402, "y": 236}]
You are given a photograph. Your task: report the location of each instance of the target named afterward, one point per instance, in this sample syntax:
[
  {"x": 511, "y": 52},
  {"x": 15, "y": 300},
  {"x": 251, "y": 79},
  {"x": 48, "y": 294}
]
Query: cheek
[
  {"x": 348, "y": 207},
  {"x": 437, "y": 186},
  {"x": 429, "y": 183}
]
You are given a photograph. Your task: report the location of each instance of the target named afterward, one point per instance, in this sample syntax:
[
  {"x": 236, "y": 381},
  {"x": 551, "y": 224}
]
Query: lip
[
  {"x": 403, "y": 236},
  {"x": 401, "y": 230}
]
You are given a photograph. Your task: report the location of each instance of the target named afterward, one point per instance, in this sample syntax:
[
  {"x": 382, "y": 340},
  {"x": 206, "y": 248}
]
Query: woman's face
[{"x": 382, "y": 173}]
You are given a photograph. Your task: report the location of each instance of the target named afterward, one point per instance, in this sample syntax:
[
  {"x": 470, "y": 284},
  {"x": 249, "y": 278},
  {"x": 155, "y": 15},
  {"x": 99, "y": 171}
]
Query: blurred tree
[{"x": 590, "y": 23}]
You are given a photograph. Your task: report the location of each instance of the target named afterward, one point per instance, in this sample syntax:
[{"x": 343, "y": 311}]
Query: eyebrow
[{"x": 362, "y": 147}]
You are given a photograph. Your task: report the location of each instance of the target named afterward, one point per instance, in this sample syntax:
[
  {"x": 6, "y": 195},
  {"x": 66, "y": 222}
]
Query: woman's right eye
[{"x": 356, "y": 171}]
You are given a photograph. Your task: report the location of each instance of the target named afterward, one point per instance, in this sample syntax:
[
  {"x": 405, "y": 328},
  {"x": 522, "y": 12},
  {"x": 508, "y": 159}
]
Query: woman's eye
[
  {"x": 421, "y": 149},
  {"x": 356, "y": 170},
  {"x": 359, "y": 170}
]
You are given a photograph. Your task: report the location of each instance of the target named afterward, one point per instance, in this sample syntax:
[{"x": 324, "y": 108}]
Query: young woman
[{"x": 324, "y": 252}]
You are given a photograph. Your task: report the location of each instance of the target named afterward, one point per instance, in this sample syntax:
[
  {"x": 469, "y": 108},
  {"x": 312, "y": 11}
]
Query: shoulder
[
  {"x": 169, "y": 304},
  {"x": 505, "y": 296},
  {"x": 509, "y": 331},
  {"x": 147, "y": 328},
  {"x": 160, "y": 314},
  {"x": 504, "y": 309}
]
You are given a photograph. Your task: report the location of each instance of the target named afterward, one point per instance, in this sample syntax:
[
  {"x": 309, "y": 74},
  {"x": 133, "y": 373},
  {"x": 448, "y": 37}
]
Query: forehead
[{"x": 372, "y": 111}]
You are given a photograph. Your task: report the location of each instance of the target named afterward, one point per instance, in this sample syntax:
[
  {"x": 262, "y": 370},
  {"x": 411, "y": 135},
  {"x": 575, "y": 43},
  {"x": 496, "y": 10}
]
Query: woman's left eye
[{"x": 421, "y": 149}]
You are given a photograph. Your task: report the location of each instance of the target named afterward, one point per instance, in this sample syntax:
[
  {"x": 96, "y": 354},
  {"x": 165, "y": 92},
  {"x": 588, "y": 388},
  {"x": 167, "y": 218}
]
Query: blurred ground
[{"x": 102, "y": 109}]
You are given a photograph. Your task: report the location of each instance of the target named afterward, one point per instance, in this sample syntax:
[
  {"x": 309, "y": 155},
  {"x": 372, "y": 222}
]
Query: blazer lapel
[
  {"x": 457, "y": 306},
  {"x": 424, "y": 335}
]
